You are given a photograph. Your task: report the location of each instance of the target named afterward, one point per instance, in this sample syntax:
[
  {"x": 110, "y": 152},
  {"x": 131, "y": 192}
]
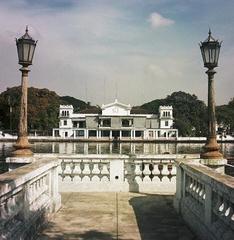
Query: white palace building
[{"x": 115, "y": 121}]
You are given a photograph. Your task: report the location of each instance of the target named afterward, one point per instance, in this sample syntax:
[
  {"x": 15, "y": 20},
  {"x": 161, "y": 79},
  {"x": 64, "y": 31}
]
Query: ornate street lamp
[
  {"x": 25, "y": 47},
  {"x": 210, "y": 49}
]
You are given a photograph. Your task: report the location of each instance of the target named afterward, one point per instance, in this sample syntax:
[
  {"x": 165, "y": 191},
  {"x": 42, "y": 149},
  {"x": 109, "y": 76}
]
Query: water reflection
[
  {"x": 111, "y": 148},
  {"x": 121, "y": 148}
]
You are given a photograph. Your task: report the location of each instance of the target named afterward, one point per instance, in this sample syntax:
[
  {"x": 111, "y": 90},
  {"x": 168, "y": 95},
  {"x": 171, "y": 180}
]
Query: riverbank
[{"x": 228, "y": 139}]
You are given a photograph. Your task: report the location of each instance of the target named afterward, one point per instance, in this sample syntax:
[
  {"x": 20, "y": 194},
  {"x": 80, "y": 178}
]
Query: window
[
  {"x": 92, "y": 133},
  {"x": 82, "y": 124},
  {"x": 139, "y": 134},
  {"x": 75, "y": 123},
  {"x": 151, "y": 134},
  {"x": 105, "y": 133},
  {"x": 80, "y": 133},
  {"x": 127, "y": 122},
  {"x": 65, "y": 122},
  {"x": 106, "y": 122},
  {"x": 126, "y": 133},
  {"x": 56, "y": 133},
  {"x": 166, "y": 123}
]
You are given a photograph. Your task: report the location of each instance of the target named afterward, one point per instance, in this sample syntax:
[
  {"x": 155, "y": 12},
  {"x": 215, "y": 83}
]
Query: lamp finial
[{"x": 209, "y": 32}]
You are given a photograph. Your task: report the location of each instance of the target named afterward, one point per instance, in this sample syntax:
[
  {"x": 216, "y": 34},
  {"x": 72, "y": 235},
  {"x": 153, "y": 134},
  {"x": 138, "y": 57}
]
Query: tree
[
  {"x": 43, "y": 107},
  {"x": 190, "y": 114}
]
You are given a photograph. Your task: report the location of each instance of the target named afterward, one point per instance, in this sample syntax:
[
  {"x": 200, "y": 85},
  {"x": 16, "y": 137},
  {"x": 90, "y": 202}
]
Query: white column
[
  {"x": 110, "y": 134},
  {"x": 146, "y": 134},
  {"x": 110, "y": 148},
  {"x": 120, "y": 134},
  {"x": 86, "y": 148}
]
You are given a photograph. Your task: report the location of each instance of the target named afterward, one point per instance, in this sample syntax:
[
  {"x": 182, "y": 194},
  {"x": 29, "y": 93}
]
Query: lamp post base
[
  {"x": 22, "y": 147},
  {"x": 211, "y": 155},
  {"x": 211, "y": 150}
]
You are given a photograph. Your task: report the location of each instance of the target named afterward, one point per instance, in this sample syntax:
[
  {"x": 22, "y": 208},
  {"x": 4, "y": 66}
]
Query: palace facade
[{"x": 115, "y": 121}]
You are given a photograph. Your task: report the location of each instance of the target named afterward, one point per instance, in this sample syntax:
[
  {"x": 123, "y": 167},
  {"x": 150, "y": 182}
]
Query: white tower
[
  {"x": 166, "y": 116},
  {"x": 65, "y": 120}
]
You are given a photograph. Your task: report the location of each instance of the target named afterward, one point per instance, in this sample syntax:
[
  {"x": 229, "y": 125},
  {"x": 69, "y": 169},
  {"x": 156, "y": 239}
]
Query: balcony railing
[
  {"x": 27, "y": 195},
  {"x": 117, "y": 173},
  {"x": 205, "y": 198}
]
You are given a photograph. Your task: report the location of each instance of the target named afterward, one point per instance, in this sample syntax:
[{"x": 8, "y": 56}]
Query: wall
[
  {"x": 139, "y": 122},
  {"x": 91, "y": 122}
]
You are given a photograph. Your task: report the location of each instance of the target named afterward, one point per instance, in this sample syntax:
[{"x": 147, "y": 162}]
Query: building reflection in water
[
  {"x": 113, "y": 148},
  {"x": 116, "y": 148}
]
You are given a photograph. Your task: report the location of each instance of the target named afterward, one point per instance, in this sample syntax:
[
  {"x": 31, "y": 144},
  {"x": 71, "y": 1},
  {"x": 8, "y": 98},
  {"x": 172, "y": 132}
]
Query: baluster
[
  {"x": 160, "y": 168},
  {"x": 156, "y": 171},
  {"x": 86, "y": 170},
  {"x": 137, "y": 169},
  {"x": 151, "y": 168},
  {"x": 96, "y": 169},
  {"x": 146, "y": 170},
  {"x": 105, "y": 169}
]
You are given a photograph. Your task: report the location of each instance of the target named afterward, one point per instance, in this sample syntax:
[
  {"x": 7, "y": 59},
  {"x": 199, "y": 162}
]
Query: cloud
[{"x": 156, "y": 20}]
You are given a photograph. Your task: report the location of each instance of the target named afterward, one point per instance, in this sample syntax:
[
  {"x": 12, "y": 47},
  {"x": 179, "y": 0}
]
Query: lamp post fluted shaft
[
  {"x": 211, "y": 149},
  {"x": 22, "y": 145}
]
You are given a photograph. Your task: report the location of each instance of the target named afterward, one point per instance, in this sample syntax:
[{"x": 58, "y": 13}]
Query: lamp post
[
  {"x": 25, "y": 47},
  {"x": 210, "y": 49}
]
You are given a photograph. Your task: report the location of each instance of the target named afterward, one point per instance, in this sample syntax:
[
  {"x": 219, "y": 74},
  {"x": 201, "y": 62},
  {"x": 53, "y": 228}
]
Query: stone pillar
[
  {"x": 22, "y": 145},
  {"x": 55, "y": 196},
  {"x": 179, "y": 187},
  {"x": 110, "y": 147},
  {"x": 110, "y": 134},
  {"x": 211, "y": 148},
  {"x": 86, "y": 148},
  {"x": 86, "y": 133},
  {"x": 117, "y": 174},
  {"x": 120, "y": 134}
]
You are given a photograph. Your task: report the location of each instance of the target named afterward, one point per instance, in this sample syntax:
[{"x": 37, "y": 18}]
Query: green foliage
[
  {"x": 225, "y": 116},
  {"x": 190, "y": 114},
  {"x": 77, "y": 104},
  {"x": 43, "y": 107}
]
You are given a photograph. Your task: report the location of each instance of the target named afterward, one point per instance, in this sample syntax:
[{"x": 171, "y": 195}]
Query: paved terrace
[{"x": 120, "y": 216}]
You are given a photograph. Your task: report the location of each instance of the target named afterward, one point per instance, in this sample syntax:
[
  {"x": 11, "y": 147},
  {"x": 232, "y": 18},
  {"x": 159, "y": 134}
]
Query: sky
[{"x": 133, "y": 50}]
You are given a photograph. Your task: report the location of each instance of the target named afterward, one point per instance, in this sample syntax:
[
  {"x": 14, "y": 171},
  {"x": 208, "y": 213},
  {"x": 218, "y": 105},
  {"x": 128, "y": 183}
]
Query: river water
[{"x": 109, "y": 148}]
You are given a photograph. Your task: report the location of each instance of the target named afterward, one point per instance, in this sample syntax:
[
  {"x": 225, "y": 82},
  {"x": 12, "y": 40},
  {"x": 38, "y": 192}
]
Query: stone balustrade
[
  {"x": 137, "y": 173},
  {"x": 205, "y": 198},
  {"x": 27, "y": 196}
]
